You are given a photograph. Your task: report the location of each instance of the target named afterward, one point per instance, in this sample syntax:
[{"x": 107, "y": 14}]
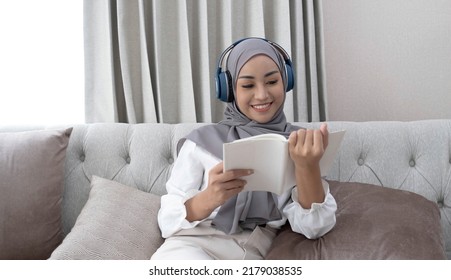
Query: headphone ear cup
[
  {"x": 230, "y": 96},
  {"x": 221, "y": 86},
  {"x": 290, "y": 76},
  {"x": 224, "y": 87}
]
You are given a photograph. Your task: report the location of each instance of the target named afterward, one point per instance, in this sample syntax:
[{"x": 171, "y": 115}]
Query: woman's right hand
[
  {"x": 221, "y": 187},
  {"x": 224, "y": 185}
]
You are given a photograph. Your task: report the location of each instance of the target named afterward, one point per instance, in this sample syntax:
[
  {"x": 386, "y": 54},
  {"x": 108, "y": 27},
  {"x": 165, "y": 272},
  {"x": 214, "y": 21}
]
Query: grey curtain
[{"x": 154, "y": 61}]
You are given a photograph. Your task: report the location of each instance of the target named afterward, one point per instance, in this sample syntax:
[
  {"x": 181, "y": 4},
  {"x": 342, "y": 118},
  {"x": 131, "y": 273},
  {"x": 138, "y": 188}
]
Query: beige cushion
[
  {"x": 373, "y": 222},
  {"x": 117, "y": 222},
  {"x": 31, "y": 186}
]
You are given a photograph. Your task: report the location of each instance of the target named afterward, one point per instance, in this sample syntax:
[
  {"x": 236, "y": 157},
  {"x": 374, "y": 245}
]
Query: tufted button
[
  {"x": 412, "y": 163},
  {"x": 361, "y": 161},
  {"x": 440, "y": 204},
  {"x": 171, "y": 160},
  {"x": 82, "y": 157},
  {"x": 128, "y": 159}
]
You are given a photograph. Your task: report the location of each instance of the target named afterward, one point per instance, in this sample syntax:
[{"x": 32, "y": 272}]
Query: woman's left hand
[{"x": 306, "y": 147}]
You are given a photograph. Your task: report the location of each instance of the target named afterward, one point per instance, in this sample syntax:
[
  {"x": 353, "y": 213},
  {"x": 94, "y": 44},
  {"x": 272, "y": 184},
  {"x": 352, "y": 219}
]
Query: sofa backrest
[{"x": 413, "y": 156}]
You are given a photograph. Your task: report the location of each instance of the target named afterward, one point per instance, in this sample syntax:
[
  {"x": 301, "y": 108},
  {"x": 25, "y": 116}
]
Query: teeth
[{"x": 263, "y": 106}]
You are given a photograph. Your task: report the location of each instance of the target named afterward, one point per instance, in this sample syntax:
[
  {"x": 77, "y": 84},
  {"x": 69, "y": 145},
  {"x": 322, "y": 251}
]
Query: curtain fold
[{"x": 155, "y": 61}]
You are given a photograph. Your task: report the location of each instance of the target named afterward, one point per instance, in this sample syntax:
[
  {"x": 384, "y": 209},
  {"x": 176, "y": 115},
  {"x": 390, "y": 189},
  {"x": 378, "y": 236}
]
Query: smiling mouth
[{"x": 262, "y": 107}]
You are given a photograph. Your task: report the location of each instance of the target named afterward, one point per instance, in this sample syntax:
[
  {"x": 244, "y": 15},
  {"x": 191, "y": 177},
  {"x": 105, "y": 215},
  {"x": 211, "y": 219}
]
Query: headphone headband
[{"x": 223, "y": 79}]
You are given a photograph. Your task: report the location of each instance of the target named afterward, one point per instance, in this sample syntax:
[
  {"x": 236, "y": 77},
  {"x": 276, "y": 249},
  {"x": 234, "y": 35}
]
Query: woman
[{"x": 206, "y": 214}]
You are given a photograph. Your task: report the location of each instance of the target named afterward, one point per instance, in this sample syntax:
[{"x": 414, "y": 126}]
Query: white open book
[{"x": 267, "y": 155}]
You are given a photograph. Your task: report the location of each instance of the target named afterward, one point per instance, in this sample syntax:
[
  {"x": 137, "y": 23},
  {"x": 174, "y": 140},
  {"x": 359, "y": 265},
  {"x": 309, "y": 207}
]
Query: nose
[{"x": 261, "y": 93}]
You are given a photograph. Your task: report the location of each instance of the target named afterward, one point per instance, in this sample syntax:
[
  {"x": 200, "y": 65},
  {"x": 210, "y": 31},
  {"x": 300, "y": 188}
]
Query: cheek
[
  {"x": 279, "y": 95},
  {"x": 241, "y": 99}
]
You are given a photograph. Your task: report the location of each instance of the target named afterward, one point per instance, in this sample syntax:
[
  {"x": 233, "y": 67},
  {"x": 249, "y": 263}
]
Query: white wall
[
  {"x": 41, "y": 62},
  {"x": 387, "y": 59}
]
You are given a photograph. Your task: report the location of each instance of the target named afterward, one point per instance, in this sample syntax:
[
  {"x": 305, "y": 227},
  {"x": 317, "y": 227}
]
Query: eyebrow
[{"x": 252, "y": 77}]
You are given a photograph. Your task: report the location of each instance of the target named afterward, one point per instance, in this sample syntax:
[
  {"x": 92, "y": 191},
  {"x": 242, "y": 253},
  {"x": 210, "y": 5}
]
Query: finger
[
  {"x": 318, "y": 139},
  {"x": 235, "y": 191},
  {"x": 309, "y": 137},
  {"x": 292, "y": 140},
  {"x": 235, "y": 174},
  {"x": 301, "y": 137},
  {"x": 325, "y": 133},
  {"x": 234, "y": 184}
]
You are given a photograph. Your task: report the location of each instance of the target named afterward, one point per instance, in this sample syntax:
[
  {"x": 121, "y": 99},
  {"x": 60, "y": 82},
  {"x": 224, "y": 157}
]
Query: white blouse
[{"x": 190, "y": 176}]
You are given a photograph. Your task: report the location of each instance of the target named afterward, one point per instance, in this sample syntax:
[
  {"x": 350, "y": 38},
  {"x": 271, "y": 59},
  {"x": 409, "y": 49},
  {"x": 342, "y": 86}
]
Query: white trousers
[{"x": 204, "y": 242}]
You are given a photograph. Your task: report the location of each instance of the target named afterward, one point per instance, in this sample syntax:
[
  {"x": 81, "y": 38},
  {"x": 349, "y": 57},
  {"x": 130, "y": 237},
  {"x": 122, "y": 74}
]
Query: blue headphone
[{"x": 223, "y": 79}]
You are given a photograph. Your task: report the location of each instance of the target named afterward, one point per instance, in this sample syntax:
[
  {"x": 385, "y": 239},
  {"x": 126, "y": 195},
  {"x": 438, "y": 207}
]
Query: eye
[
  {"x": 272, "y": 82},
  {"x": 247, "y": 86}
]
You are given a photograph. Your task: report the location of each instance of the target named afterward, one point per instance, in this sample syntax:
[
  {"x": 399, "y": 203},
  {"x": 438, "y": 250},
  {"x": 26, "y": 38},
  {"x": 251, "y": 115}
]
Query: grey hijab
[{"x": 247, "y": 209}]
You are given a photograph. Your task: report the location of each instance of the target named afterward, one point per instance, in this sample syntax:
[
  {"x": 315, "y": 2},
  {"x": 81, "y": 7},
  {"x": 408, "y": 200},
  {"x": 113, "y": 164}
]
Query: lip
[{"x": 261, "y": 108}]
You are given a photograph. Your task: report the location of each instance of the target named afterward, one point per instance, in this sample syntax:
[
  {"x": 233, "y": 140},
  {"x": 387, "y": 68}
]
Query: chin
[{"x": 263, "y": 120}]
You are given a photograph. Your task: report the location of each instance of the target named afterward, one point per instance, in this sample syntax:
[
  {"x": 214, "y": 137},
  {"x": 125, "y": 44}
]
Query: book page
[
  {"x": 267, "y": 157},
  {"x": 331, "y": 151}
]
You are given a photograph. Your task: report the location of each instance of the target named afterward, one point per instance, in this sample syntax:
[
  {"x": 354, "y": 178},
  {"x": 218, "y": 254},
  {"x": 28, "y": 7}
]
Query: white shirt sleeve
[
  {"x": 313, "y": 222},
  {"x": 190, "y": 176}
]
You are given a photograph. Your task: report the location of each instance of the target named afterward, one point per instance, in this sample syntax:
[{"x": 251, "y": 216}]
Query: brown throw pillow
[
  {"x": 373, "y": 222},
  {"x": 118, "y": 222},
  {"x": 31, "y": 187}
]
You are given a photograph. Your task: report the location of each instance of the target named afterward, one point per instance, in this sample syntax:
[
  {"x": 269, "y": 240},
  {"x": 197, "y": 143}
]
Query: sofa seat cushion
[
  {"x": 373, "y": 222},
  {"x": 31, "y": 187},
  {"x": 118, "y": 222}
]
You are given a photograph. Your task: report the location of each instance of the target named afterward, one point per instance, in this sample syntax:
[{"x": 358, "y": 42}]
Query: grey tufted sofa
[{"x": 413, "y": 156}]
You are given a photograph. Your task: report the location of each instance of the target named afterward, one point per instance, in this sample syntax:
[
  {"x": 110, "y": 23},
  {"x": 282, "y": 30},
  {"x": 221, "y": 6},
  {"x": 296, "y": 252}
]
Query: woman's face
[{"x": 260, "y": 90}]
